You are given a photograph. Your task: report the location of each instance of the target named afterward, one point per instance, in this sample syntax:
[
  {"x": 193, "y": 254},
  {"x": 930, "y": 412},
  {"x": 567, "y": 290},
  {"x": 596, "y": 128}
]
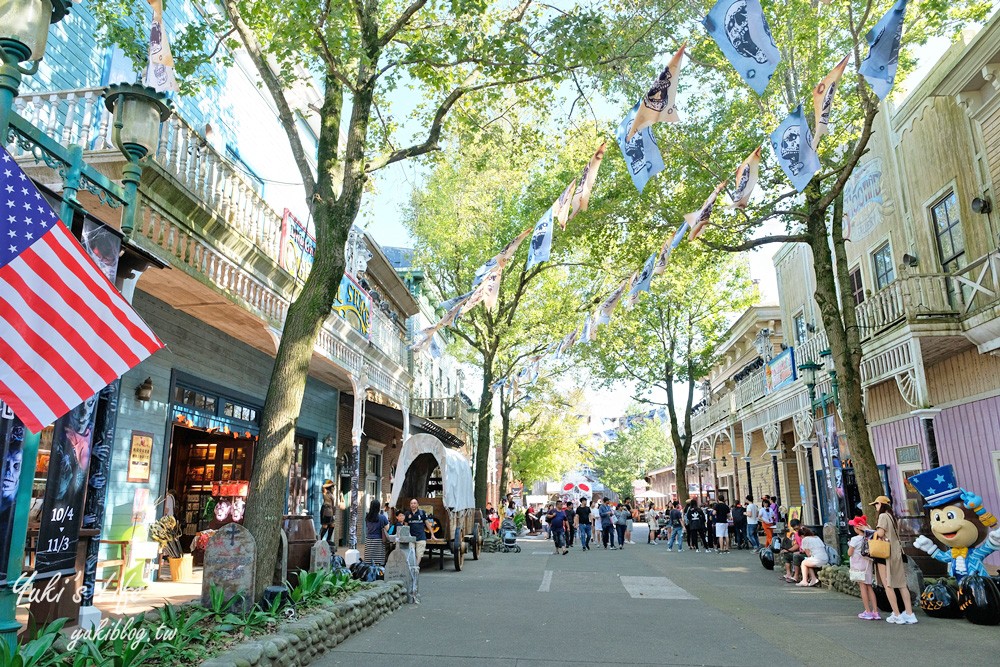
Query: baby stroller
[{"x": 508, "y": 537}]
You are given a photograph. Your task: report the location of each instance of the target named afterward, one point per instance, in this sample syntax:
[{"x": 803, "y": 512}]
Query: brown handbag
[{"x": 878, "y": 548}]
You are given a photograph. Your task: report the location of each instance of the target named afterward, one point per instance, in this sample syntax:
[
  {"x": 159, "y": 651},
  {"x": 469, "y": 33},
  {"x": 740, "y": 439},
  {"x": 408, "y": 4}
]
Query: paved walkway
[{"x": 644, "y": 606}]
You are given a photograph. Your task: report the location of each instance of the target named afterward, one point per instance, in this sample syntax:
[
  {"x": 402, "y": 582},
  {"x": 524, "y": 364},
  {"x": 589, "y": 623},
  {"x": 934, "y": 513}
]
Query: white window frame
[
  {"x": 374, "y": 449},
  {"x": 883, "y": 243},
  {"x": 800, "y": 315},
  {"x": 901, "y": 470},
  {"x": 995, "y": 457}
]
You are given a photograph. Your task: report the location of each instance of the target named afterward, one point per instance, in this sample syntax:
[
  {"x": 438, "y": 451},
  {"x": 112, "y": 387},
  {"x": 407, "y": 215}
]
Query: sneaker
[
  {"x": 892, "y": 618},
  {"x": 865, "y": 616},
  {"x": 874, "y": 616},
  {"x": 698, "y": 551},
  {"x": 908, "y": 619}
]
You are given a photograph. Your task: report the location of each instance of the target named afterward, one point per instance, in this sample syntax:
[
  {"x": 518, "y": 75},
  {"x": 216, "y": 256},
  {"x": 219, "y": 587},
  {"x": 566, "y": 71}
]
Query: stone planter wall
[
  {"x": 299, "y": 642},
  {"x": 838, "y": 578}
]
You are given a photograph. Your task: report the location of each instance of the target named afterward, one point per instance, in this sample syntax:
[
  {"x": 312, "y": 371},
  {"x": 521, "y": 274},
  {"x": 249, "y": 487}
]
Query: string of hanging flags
[{"x": 740, "y": 29}]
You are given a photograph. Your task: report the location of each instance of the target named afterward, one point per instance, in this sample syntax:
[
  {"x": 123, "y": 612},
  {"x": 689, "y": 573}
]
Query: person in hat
[
  {"x": 861, "y": 569},
  {"x": 326, "y": 512},
  {"x": 890, "y": 571}
]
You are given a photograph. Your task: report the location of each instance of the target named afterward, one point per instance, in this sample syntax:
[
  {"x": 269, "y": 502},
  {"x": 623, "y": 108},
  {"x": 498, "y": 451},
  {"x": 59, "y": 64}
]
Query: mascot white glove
[{"x": 927, "y": 545}]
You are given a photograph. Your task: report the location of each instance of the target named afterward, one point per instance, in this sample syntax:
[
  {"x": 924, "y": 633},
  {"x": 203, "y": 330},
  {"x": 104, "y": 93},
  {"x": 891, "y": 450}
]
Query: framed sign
[
  {"x": 780, "y": 371},
  {"x": 140, "y": 454}
]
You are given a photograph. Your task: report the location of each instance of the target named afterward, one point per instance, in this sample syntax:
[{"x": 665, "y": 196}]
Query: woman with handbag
[{"x": 887, "y": 552}]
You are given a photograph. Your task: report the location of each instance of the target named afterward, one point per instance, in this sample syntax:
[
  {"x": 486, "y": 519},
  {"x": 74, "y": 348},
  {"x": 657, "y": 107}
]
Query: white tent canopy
[
  {"x": 456, "y": 471},
  {"x": 650, "y": 494}
]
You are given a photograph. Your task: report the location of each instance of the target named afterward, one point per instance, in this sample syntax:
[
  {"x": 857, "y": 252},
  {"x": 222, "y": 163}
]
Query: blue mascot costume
[{"x": 961, "y": 525}]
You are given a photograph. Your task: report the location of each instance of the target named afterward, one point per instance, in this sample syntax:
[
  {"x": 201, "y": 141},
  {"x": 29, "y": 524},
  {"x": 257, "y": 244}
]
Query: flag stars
[
  {"x": 10, "y": 203},
  {"x": 27, "y": 206},
  {"x": 10, "y": 188},
  {"x": 13, "y": 248},
  {"x": 7, "y": 173},
  {"x": 24, "y": 191},
  {"x": 29, "y": 221},
  {"x": 29, "y": 236},
  {"x": 11, "y": 218},
  {"x": 12, "y": 233}
]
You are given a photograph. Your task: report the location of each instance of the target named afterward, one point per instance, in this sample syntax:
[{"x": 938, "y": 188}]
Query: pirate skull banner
[
  {"x": 642, "y": 281},
  {"x": 879, "y": 66},
  {"x": 642, "y": 156},
  {"x": 159, "y": 74},
  {"x": 541, "y": 241},
  {"x": 741, "y": 31},
  {"x": 823, "y": 99},
  {"x": 658, "y": 104},
  {"x": 668, "y": 247},
  {"x": 792, "y": 144},
  {"x": 608, "y": 307},
  {"x": 562, "y": 205},
  {"x": 746, "y": 179},
  {"x": 699, "y": 219},
  {"x": 585, "y": 184}
]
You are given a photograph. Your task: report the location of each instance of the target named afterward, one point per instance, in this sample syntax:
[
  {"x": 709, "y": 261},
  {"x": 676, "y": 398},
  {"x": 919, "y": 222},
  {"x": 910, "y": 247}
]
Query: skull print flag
[
  {"x": 792, "y": 143},
  {"x": 658, "y": 104},
  {"x": 823, "y": 99},
  {"x": 746, "y": 179},
  {"x": 879, "y": 66},
  {"x": 585, "y": 184},
  {"x": 642, "y": 281},
  {"x": 668, "y": 247},
  {"x": 741, "y": 31},
  {"x": 642, "y": 156},
  {"x": 159, "y": 74},
  {"x": 541, "y": 241},
  {"x": 699, "y": 219}
]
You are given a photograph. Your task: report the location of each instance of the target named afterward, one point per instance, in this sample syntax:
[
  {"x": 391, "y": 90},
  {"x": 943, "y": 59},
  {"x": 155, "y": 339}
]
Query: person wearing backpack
[
  {"x": 676, "y": 523},
  {"x": 753, "y": 518},
  {"x": 694, "y": 517}
]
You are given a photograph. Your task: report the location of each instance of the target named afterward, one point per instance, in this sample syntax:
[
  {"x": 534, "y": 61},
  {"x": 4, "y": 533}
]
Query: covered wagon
[{"x": 440, "y": 479}]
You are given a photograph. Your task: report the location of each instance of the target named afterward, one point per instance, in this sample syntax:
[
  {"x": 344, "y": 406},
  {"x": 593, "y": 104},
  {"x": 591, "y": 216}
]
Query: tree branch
[
  {"x": 277, "y": 92},
  {"x": 756, "y": 243},
  {"x": 400, "y": 22}
]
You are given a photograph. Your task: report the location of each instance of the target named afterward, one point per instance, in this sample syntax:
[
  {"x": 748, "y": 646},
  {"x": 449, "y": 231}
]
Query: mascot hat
[{"x": 938, "y": 486}]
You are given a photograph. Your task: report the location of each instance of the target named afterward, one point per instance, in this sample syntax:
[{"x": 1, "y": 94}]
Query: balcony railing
[
  {"x": 451, "y": 408},
  {"x": 751, "y": 388},
  {"x": 80, "y": 117},
  {"x": 908, "y": 299},
  {"x": 979, "y": 283}
]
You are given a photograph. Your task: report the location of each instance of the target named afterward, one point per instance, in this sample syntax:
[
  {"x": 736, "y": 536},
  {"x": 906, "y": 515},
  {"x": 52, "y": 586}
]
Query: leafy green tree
[
  {"x": 632, "y": 453},
  {"x": 457, "y": 57},
  {"x": 667, "y": 342},
  {"x": 468, "y": 210},
  {"x": 728, "y": 120},
  {"x": 544, "y": 439}
]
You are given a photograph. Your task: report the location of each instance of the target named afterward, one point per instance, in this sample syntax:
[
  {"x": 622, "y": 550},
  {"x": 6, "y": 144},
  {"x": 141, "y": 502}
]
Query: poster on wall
[
  {"x": 12, "y": 440},
  {"x": 298, "y": 246},
  {"x": 140, "y": 455},
  {"x": 62, "y": 506},
  {"x": 354, "y": 304},
  {"x": 780, "y": 371},
  {"x": 104, "y": 245}
]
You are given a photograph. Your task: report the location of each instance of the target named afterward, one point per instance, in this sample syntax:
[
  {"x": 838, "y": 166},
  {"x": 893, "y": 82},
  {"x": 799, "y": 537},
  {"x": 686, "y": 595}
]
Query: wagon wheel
[
  {"x": 476, "y": 543},
  {"x": 457, "y": 550}
]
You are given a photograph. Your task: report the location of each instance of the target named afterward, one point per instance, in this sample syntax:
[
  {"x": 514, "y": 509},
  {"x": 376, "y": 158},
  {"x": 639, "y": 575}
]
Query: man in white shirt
[{"x": 753, "y": 518}]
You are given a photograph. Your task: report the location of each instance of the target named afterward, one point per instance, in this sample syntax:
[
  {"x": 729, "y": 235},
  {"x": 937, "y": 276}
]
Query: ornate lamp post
[
  {"x": 24, "y": 26},
  {"x": 809, "y": 370},
  {"x": 139, "y": 113}
]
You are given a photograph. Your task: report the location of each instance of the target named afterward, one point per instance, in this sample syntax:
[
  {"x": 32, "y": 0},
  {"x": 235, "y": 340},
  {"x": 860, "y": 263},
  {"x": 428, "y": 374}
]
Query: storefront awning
[{"x": 394, "y": 417}]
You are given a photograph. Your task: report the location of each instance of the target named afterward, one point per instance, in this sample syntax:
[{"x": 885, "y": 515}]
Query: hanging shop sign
[
  {"x": 140, "y": 455},
  {"x": 780, "y": 371},
  {"x": 62, "y": 506},
  {"x": 354, "y": 304}
]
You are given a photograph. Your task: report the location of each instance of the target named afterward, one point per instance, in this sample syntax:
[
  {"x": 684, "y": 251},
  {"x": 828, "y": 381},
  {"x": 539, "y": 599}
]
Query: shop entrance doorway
[{"x": 210, "y": 473}]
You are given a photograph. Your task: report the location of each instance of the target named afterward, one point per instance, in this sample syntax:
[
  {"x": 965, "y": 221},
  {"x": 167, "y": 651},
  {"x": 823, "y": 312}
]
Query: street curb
[{"x": 297, "y": 643}]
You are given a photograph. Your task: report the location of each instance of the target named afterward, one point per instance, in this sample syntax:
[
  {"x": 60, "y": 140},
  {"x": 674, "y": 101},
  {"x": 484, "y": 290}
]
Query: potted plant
[{"x": 167, "y": 532}]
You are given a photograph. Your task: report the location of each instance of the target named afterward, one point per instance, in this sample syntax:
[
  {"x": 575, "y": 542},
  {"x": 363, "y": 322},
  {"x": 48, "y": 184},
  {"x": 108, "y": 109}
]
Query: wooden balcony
[
  {"x": 910, "y": 299},
  {"x": 451, "y": 413},
  {"x": 198, "y": 212}
]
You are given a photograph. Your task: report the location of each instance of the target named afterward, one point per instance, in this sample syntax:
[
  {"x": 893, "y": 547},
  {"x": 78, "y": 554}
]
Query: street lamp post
[
  {"x": 809, "y": 369},
  {"x": 139, "y": 113}
]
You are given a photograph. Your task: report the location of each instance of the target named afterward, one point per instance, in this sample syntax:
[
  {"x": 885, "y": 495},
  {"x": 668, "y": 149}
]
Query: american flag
[{"x": 65, "y": 331}]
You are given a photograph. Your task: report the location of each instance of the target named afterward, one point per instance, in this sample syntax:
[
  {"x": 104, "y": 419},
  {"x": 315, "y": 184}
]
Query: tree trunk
[
  {"x": 846, "y": 356},
  {"x": 504, "y": 442},
  {"x": 483, "y": 438},
  {"x": 272, "y": 458},
  {"x": 848, "y": 367}
]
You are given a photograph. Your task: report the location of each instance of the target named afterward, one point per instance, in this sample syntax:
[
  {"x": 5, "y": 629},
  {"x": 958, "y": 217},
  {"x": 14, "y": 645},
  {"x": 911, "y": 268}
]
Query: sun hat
[
  {"x": 328, "y": 483},
  {"x": 881, "y": 499},
  {"x": 858, "y": 521}
]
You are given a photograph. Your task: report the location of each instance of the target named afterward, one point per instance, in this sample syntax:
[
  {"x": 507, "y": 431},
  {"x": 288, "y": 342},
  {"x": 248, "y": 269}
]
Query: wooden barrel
[{"x": 301, "y": 533}]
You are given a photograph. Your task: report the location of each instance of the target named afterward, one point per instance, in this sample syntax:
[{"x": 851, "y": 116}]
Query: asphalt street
[{"x": 644, "y": 606}]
